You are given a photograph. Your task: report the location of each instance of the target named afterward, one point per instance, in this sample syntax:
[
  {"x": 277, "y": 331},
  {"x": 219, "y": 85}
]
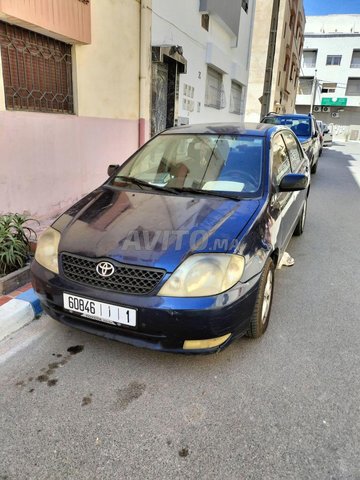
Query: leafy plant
[{"x": 15, "y": 236}]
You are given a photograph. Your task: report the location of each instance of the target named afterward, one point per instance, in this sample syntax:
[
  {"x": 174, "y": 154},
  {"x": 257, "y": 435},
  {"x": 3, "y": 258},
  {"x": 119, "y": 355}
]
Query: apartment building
[
  {"x": 330, "y": 77},
  {"x": 200, "y": 61},
  {"x": 275, "y": 57},
  {"x": 74, "y": 97}
]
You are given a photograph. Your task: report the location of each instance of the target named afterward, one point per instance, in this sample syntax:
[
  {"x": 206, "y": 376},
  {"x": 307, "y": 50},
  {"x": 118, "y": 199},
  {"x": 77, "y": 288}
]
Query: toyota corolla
[{"x": 177, "y": 250}]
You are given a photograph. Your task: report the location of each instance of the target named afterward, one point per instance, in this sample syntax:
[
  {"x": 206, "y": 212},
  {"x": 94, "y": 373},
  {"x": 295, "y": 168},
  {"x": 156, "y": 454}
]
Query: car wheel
[
  {"x": 301, "y": 223},
  {"x": 314, "y": 167},
  {"x": 261, "y": 313}
]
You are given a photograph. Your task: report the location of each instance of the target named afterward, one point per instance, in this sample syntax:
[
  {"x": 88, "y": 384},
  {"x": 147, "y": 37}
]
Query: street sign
[{"x": 334, "y": 102}]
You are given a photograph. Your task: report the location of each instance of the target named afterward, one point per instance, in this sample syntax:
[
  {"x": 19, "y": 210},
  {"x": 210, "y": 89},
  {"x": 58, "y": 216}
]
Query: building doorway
[{"x": 167, "y": 65}]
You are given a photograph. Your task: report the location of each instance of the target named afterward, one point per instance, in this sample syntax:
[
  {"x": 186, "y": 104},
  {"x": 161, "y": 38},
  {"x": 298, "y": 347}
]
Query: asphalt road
[{"x": 282, "y": 407}]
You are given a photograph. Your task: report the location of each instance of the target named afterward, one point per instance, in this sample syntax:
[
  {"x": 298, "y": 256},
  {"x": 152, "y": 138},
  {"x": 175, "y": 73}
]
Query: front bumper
[{"x": 163, "y": 323}]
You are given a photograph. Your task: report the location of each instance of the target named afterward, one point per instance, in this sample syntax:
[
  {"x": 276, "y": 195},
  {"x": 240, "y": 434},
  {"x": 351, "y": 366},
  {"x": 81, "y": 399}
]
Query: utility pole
[{"x": 313, "y": 92}]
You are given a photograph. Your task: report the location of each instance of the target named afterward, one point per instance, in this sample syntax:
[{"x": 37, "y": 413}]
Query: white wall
[{"x": 179, "y": 23}]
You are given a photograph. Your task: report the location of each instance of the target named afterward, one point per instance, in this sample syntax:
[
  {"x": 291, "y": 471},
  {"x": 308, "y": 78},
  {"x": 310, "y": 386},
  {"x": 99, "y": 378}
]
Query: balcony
[
  {"x": 66, "y": 20},
  {"x": 229, "y": 13}
]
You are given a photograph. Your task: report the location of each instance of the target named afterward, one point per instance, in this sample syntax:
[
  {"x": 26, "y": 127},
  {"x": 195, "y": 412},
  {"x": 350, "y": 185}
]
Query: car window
[
  {"x": 227, "y": 163},
  {"x": 294, "y": 151},
  {"x": 280, "y": 159},
  {"x": 301, "y": 126}
]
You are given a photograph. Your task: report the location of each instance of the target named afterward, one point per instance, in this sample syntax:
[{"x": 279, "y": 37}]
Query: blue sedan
[
  {"x": 306, "y": 130},
  {"x": 177, "y": 250}
]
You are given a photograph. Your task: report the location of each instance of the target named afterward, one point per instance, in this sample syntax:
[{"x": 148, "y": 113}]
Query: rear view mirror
[
  {"x": 293, "y": 182},
  {"x": 112, "y": 169}
]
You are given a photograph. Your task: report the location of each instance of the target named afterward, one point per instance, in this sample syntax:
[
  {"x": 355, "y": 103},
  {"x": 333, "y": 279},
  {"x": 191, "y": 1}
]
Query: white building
[
  {"x": 200, "y": 53},
  {"x": 330, "y": 75}
]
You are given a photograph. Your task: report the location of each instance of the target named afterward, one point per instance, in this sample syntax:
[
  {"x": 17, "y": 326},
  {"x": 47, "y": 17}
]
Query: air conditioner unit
[
  {"x": 335, "y": 115},
  {"x": 317, "y": 109},
  {"x": 326, "y": 109}
]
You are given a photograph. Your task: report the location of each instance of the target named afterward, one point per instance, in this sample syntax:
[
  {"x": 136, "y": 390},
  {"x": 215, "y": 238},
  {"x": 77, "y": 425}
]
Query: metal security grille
[
  {"x": 236, "y": 98},
  {"x": 214, "y": 95},
  {"x": 353, "y": 87},
  {"x": 126, "y": 278},
  {"x": 37, "y": 71}
]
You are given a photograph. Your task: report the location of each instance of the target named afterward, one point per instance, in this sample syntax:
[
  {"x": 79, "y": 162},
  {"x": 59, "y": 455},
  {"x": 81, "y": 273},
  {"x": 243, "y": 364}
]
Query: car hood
[{"x": 156, "y": 230}]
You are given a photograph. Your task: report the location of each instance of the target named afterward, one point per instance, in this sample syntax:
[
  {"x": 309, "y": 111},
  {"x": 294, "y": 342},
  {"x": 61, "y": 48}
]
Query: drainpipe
[{"x": 144, "y": 70}]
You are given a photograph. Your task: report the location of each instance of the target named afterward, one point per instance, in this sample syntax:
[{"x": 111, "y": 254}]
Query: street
[{"x": 286, "y": 406}]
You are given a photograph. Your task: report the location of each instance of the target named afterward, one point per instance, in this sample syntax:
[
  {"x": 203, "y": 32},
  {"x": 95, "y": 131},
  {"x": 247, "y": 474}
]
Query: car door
[
  {"x": 299, "y": 164},
  {"x": 280, "y": 202}
]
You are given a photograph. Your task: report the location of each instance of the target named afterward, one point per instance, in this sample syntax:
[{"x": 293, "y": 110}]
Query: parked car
[
  {"x": 320, "y": 130},
  {"x": 177, "y": 250},
  {"x": 304, "y": 127},
  {"x": 328, "y": 136}
]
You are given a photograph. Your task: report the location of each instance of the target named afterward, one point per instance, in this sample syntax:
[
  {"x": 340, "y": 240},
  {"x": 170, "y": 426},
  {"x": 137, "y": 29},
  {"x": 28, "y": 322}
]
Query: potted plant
[{"x": 15, "y": 238}]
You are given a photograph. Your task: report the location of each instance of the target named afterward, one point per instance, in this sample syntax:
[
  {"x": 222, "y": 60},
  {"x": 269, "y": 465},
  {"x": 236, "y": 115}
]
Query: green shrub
[{"x": 15, "y": 237}]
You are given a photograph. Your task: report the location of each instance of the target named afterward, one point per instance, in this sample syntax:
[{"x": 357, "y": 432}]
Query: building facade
[
  {"x": 275, "y": 57},
  {"x": 330, "y": 78},
  {"x": 74, "y": 97},
  {"x": 200, "y": 61}
]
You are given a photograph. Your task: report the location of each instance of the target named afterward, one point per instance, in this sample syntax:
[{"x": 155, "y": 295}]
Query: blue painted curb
[{"x": 31, "y": 297}]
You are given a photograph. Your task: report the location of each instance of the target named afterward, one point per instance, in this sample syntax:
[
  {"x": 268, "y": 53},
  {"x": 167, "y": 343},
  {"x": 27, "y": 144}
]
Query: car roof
[
  {"x": 290, "y": 115},
  {"x": 255, "y": 129}
]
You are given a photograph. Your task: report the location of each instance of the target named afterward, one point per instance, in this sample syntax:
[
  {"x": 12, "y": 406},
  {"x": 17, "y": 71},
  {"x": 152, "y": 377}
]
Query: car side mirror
[
  {"x": 315, "y": 134},
  {"x": 293, "y": 182},
  {"x": 112, "y": 169},
  {"x": 326, "y": 131}
]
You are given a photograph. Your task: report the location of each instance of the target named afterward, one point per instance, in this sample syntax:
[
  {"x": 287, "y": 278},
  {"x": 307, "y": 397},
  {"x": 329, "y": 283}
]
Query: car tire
[
  {"x": 314, "y": 167},
  {"x": 260, "y": 317},
  {"x": 302, "y": 219}
]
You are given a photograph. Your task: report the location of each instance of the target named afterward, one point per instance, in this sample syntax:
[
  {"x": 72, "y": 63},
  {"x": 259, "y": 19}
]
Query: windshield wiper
[
  {"x": 208, "y": 192},
  {"x": 142, "y": 183}
]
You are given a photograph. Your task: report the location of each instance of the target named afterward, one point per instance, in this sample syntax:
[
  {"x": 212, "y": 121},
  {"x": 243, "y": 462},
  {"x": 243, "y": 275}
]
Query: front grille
[{"x": 126, "y": 278}]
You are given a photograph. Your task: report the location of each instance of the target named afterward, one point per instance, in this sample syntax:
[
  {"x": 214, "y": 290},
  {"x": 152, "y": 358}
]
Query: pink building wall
[{"x": 49, "y": 161}]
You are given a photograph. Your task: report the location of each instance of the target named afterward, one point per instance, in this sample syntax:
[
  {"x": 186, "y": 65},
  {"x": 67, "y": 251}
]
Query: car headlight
[
  {"x": 202, "y": 275},
  {"x": 47, "y": 250}
]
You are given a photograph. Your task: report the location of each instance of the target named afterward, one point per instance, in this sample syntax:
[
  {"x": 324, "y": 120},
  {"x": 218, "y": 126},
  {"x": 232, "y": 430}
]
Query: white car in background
[{"x": 328, "y": 136}]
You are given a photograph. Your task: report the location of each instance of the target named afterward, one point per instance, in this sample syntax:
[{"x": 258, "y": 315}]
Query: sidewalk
[{"x": 17, "y": 309}]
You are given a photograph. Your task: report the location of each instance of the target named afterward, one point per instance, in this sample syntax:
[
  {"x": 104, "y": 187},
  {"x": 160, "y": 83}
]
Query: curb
[{"x": 18, "y": 312}]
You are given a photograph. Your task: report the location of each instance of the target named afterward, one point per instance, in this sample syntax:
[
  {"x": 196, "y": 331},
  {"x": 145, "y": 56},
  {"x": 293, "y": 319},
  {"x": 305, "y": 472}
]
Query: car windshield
[
  {"x": 300, "y": 126},
  {"x": 201, "y": 163}
]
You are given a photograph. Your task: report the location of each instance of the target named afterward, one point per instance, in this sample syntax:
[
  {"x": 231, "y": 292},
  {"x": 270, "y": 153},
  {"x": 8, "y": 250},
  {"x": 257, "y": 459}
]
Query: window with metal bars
[
  {"x": 236, "y": 98},
  {"x": 353, "y": 87},
  {"x": 214, "y": 89},
  {"x": 37, "y": 71},
  {"x": 333, "y": 59},
  {"x": 305, "y": 85},
  {"x": 355, "y": 60},
  {"x": 309, "y": 58}
]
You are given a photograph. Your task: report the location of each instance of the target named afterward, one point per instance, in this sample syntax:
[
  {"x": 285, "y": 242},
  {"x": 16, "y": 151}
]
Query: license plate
[{"x": 103, "y": 312}]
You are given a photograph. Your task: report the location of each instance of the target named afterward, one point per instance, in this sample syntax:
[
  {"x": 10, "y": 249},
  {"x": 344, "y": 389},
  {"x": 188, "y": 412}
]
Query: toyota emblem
[{"x": 105, "y": 269}]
